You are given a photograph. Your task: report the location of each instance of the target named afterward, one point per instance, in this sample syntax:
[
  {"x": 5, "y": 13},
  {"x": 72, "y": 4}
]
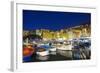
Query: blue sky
[{"x": 53, "y": 20}]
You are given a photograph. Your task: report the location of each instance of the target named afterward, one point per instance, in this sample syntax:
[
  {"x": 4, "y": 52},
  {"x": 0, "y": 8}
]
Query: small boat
[
  {"x": 27, "y": 52},
  {"x": 42, "y": 52},
  {"x": 65, "y": 47},
  {"x": 53, "y": 49}
]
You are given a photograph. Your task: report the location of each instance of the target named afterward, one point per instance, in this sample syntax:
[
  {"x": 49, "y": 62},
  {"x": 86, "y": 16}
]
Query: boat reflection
[
  {"x": 42, "y": 58},
  {"x": 53, "y": 53}
]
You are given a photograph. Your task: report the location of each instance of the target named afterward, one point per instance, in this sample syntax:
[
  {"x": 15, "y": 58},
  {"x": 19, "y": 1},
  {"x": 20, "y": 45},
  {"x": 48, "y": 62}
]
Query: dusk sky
[{"x": 52, "y": 20}]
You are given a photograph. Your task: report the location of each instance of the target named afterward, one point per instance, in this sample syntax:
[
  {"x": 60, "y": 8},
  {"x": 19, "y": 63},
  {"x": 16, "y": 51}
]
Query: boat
[
  {"x": 42, "y": 52},
  {"x": 53, "y": 49},
  {"x": 65, "y": 47}
]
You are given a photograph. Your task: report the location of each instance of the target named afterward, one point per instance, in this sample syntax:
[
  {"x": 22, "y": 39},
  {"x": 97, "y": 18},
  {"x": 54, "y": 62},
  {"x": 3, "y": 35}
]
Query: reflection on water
[
  {"x": 42, "y": 58},
  {"x": 78, "y": 50},
  {"x": 62, "y": 55},
  {"x": 53, "y": 53},
  {"x": 67, "y": 53}
]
